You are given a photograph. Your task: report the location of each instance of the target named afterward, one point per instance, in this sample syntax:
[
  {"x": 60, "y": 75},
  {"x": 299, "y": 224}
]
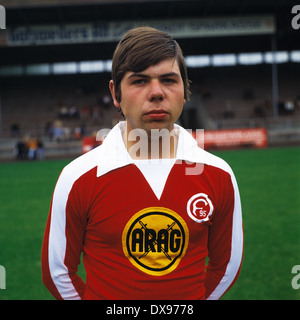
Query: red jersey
[{"x": 145, "y": 227}]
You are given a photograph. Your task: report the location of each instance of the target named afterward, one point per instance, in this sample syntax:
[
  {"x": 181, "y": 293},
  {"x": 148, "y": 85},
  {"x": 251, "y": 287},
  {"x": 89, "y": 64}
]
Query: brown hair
[{"x": 141, "y": 48}]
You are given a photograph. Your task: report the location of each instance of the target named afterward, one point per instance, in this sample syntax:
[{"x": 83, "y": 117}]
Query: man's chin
[{"x": 158, "y": 125}]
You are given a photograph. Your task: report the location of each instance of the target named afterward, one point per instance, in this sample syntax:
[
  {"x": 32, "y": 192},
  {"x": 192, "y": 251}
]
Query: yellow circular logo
[{"x": 155, "y": 240}]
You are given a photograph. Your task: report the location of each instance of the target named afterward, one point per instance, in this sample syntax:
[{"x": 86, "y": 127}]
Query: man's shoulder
[
  {"x": 81, "y": 164},
  {"x": 216, "y": 161},
  {"x": 189, "y": 150}
]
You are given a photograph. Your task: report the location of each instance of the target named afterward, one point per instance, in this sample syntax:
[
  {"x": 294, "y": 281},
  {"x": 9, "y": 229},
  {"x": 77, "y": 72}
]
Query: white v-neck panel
[{"x": 156, "y": 172}]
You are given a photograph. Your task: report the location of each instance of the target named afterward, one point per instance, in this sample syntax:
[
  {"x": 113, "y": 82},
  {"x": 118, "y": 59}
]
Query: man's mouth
[{"x": 158, "y": 114}]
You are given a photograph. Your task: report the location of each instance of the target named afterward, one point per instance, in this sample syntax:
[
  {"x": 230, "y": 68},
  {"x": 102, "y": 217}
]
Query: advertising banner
[
  {"x": 111, "y": 31},
  {"x": 234, "y": 138}
]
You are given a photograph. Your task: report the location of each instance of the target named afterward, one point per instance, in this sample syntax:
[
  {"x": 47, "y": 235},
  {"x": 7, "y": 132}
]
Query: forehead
[{"x": 161, "y": 68}]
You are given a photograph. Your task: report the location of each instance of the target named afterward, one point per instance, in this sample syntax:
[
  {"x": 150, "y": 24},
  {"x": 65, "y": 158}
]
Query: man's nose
[{"x": 156, "y": 92}]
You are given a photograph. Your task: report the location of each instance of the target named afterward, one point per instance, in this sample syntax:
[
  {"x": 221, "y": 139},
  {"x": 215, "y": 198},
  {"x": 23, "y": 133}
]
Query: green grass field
[{"x": 269, "y": 182}]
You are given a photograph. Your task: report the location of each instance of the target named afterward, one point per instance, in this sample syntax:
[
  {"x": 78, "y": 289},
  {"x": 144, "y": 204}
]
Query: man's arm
[
  {"x": 225, "y": 243},
  {"x": 62, "y": 245}
]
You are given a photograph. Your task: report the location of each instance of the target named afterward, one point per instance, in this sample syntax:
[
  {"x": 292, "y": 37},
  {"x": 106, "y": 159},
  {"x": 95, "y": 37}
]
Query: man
[{"x": 148, "y": 206}]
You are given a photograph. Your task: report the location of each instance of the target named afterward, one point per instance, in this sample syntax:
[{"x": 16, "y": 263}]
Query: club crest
[{"x": 200, "y": 207}]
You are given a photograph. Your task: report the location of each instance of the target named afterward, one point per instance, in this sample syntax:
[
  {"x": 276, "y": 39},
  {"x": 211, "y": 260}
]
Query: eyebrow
[{"x": 165, "y": 75}]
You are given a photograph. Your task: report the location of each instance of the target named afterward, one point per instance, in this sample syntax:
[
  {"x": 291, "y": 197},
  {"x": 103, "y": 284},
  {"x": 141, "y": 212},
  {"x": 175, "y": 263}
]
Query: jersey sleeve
[
  {"x": 225, "y": 242},
  {"x": 63, "y": 242}
]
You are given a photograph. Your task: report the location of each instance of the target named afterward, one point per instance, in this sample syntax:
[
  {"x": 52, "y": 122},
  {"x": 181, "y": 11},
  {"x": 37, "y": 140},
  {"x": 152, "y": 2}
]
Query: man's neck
[{"x": 156, "y": 144}]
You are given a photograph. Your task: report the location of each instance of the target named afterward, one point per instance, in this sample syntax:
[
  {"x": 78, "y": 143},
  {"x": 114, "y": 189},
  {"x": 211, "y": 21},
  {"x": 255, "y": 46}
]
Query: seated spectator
[
  {"x": 85, "y": 112},
  {"x": 21, "y": 150},
  {"x": 58, "y": 131},
  {"x": 49, "y": 130},
  {"x": 289, "y": 107},
  {"x": 63, "y": 112},
  {"x": 74, "y": 113},
  {"x": 32, "y": 148},
  {"x": 40, "y": 150}
]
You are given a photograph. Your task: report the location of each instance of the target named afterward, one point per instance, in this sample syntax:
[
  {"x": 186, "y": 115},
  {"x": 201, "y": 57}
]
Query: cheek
[
  {"x": 178, "y": 100},
  {"x": 178, "y": 112},
  {"x": 132, "y": 100},
  {"x": 128, "y": 95}
]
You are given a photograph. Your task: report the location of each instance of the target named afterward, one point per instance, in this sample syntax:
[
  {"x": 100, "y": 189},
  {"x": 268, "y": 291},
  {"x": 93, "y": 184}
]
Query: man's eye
[
  {"x": 139, "y": 81},
  {"x": 168, "y": 80}
]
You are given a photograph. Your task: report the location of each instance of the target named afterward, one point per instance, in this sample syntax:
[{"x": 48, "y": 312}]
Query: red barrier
[
  {"x": 213, "y": 139},
  {"x": 233, "y": 138},
  {"x": 89, "y": 143}
]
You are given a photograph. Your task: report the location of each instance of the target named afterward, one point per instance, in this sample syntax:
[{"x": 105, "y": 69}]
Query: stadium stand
[{"x": 225, "y": 97}]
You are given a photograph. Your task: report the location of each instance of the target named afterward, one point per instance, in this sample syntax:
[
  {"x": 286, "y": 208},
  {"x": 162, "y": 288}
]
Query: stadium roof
[{"x": 53, "y": 12}]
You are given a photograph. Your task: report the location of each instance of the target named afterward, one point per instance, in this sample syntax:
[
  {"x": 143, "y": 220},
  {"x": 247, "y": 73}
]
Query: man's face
[{"x": 153, "y": 98}]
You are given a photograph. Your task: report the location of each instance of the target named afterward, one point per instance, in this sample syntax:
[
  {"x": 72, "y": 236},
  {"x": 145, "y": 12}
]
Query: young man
[{"x": 148, "y": 206}]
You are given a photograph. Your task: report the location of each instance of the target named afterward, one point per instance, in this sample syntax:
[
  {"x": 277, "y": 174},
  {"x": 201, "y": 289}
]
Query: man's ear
[{"x": 112, "y": 91}]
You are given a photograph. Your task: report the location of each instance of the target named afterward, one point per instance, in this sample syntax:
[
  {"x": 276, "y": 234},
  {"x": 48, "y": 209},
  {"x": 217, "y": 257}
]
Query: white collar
[{"x": 113, "y": 153}]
